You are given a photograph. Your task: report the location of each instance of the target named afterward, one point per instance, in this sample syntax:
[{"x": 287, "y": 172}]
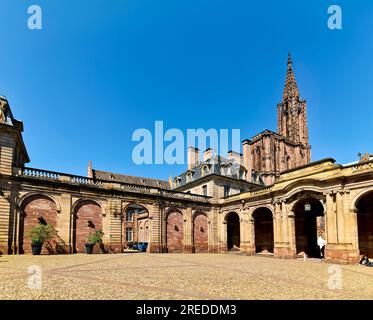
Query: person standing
[{"x": 321, "y": 243}]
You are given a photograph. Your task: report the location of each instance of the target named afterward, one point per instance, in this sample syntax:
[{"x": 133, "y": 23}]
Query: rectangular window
[
  {"x": 129, "y": 215},
  {"x": 204, "y": 190},
  {"x": 227, "y": 191},
  {"x": 129, "y": 234}
]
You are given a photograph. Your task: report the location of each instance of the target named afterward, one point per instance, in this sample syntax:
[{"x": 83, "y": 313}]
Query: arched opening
[
  {"x": 135, "y": 225},
  {"x": 309, "y": 225},
  {"x": 87, "y": 219},
  {"x": 263, "y": 225},
  {"x": 37, "y": 209},
  {"x": 233, "y": 231},
  {"x": 175, "y": 232},
  {"x": 200, "y": 233},
  {"x": 365, "y": 224}
]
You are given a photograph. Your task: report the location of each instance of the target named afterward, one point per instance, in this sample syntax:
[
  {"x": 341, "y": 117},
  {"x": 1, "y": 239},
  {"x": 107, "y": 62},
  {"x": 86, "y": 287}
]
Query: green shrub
[
  {"x": 95, "y": 237},
  {"x": 41, "y": 233}
]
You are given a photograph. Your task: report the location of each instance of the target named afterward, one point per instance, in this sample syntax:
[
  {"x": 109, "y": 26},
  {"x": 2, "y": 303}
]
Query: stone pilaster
[
  {"x": 342, "y": 247},
  {"x": 155, "y": 228},
  {"x": 65, "y": 223},
  {"x": 188, "y": 230}
]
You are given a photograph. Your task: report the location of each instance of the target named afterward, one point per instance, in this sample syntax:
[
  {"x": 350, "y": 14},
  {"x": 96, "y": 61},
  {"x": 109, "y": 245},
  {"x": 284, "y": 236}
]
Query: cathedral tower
[
  {"x": 292, "y": 113},
  {"x": 270, "y": 153}
]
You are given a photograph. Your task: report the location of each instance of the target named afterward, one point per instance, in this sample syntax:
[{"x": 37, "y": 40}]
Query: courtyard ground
[{"x": 179, "y": 276}]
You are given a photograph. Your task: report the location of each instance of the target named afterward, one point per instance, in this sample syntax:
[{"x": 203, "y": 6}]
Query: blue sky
[{"x": 99, "y": 69}]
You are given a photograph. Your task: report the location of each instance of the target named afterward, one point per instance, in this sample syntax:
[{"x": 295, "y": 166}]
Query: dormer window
[
  {"x": 143, "y": 181},
  {"x": 189, "y": 176},
  {"x": 177, "y": 181},
  {"x": 205, "y": 170}
]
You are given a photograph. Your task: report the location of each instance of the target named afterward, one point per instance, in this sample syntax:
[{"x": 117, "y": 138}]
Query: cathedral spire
[{"x": 291, "y": 87}]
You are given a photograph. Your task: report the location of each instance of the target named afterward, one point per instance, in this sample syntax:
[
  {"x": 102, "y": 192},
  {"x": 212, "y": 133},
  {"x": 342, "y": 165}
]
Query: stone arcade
[{"x": 275, "y": 202}]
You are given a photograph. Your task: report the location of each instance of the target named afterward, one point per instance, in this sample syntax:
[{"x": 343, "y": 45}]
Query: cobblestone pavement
[{"x": 178, "y": 276}]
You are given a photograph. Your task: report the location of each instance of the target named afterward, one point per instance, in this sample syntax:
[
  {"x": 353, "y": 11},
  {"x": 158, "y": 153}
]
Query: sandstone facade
[{"x": 271, "y": 200}]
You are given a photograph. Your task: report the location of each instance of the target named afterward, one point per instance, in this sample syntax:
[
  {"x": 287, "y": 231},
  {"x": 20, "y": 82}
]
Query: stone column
[
  {"x": 155, "y": 228},
  {"x": 243, "y": 231},
  {"x": 291, "y": 237},
  {"x": 331, "y": 220},
  {"x": 15, "y": 215},
  {"x": 106, "y": 224},
  {"x": 114, "y": 224},
  {"x": 163, "y": 232},
  {"x": 345, "y": 249},
  {"x": 251, "y": 250},
  {"x": 280, "y": 245},
  {"x": 188, "y": 230},
  {"x": 213, "y": 230},
  {"x": 65, "y": 223},
  {"x": 340, "y": 218},
  {"x": 5, "y": 222},
  {"x": 223, "y": 234}
]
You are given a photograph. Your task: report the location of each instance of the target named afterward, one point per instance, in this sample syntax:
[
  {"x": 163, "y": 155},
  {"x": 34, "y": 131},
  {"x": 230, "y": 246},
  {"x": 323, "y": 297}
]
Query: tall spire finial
[
  {"x": 291, "y": 87},
  {"x": 290, "y": 62}
]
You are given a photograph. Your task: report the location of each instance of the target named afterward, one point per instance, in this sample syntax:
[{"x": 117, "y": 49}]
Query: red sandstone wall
[
  {"x": 200, "y": 234},
  {"x": 35, "y": 207},
  {"x": 86, "y": 210},
  {"x": 175, "y": 232}
]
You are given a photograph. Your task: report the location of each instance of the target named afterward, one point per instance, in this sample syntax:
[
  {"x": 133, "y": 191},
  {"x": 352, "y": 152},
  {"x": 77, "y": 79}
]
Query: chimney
[
  {"x": 90, "y": 170},
  {"x": 207, "y": 154},
  {"x": 235, "y": 156},
  {"x": 247, "y": 161},
  {"x": 193, "y": 157},
  {"x": 170, "y": 182}
]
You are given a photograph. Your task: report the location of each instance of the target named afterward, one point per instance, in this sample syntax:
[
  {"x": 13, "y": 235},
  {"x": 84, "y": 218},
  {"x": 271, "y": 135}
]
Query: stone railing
[
  {"x": 85, "y": 180},
  {"x": 111, "y": 185},
  {"x": 37, "y": 173}
]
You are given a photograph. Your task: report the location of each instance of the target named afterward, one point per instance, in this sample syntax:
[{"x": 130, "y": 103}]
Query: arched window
[
  {"x": 189, "y": 176},
  {"x": 205, "y": 170}
]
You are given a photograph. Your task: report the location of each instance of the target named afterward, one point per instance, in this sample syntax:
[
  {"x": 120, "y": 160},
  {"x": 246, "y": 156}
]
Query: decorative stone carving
[{"x": 3, "y": 111}]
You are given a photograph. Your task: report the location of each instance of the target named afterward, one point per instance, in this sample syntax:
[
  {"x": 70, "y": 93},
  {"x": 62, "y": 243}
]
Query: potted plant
[
  {"x": 93, "y": 238},
  {"x": 38, "y": 235}
]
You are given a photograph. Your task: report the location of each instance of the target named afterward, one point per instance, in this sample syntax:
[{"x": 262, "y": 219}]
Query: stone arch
[
  {"x": 312, "y": 185},
  {"x": 200, "y": 232},
  {"x": 309, "y": 224},
  {"x": 355, "y": 200},
  {"x": 305, "y": 193},
  {"x": 22, "y": 199},
  {"x": 263, "y": 229},
  {"x": 364, "y": 215},
  {"x": 270, "y": 209},
  {"x": 133, "y": 223},
  {"x": 174, "y": 230},
  {"x": 36, "y": 208},
  {"x": 98, "y": 202},
  {"x": 138, "y": 203},
  {"x": 232, "y": 220},
  {"x": 87, "y": 218}
]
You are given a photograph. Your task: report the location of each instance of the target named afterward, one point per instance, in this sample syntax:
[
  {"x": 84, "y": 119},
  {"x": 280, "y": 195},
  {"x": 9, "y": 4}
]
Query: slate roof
[
  {"x": 219, "y": 166},
  {"x": 105, "y": 175}
]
